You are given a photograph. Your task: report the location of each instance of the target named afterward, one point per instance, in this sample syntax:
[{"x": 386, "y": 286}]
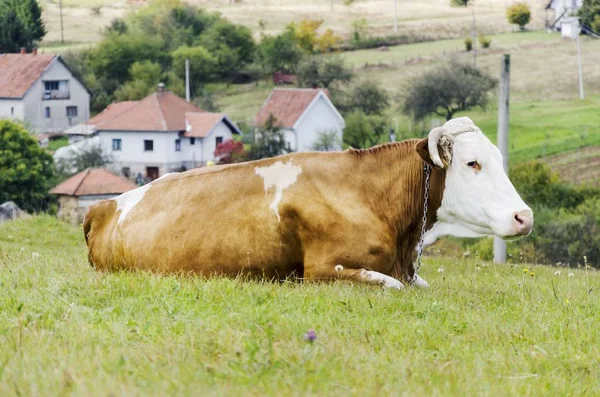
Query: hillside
[
  {"x": 84, "y": 19},
  {"x": 480, "y": 329}
]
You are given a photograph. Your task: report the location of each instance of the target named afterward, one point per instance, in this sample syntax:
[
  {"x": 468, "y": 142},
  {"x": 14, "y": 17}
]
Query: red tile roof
[
  {"x": 160, "y": 111},
  {"x": 112, "y": 111},
  {"x": 93, "y": 181},
  {"x": 18, "y": 72},
  {"x": 199, "y": 125},
  {"x": 287, "y": 105}
]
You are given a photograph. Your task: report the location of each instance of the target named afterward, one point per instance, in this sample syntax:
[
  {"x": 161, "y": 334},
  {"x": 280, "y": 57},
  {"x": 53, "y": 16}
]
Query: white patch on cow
[
  {"x": 386, "y": 281},
  {"x": 419, "y": 282},
  {"x": 278, "y": 176},
  {"x": 339, "y": 268},
  {"x": 128, "y": 200}
]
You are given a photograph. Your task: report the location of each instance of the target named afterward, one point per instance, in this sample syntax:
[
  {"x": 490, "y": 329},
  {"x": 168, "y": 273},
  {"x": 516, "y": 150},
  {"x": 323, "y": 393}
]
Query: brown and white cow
[{"x": 352, "y": 215}]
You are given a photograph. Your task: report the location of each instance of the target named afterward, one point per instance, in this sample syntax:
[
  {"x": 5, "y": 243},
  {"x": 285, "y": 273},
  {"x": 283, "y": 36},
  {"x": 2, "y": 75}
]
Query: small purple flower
[{"x": 310, "y": 336}]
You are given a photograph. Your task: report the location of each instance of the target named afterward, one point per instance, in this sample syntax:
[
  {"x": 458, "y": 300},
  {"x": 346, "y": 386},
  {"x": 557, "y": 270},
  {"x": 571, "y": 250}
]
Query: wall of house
[
  {"x": 34, "y": 104},
  {"x": 16, "y": 105},
  {"x": 209, "y": 143},
  {"x": 320, "y": 117},
  {"x": 72, "y": 209}
]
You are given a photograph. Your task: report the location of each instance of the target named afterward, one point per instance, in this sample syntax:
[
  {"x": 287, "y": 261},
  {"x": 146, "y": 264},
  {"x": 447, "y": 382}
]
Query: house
[
  {"x": 40, "y": 91},
  {"x": 159, "y": 134},
  {"x": 88, "y": 187},
  {"x": 303, "y": 114},
  {"x": 564, "y": 10}
]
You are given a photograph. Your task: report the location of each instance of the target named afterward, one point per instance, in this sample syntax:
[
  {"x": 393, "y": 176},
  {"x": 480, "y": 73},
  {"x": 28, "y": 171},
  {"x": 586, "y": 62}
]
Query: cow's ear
[{"x": 422, "y": 148}]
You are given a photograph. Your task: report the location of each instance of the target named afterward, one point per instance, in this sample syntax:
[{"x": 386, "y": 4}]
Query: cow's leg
[
  {"x": 339, "y": 272},
  {"x": 419, "y": 282}
]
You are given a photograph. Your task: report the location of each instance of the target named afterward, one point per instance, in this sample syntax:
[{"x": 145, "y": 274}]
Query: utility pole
[
  {"x": 187, "y": 80},
  {"x": 503, "y": 106},
  {"x": 396, "y": 16},
  {"x": 581, "y": 95},
  {"x": 62, "y": 35}
]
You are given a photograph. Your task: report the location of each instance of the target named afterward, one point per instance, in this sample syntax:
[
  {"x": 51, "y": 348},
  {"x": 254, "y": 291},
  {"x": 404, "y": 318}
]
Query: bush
[
  {"x": 319, "y": 71},
  {"x": 363, "y": 131},
  {"x": 519, "y": 14},
  {"x": 26, "y": 170},
  {"x": 484, "y": 41},
  {"x": 468, "y": 44},
  {"x": 590, "y": 14}
]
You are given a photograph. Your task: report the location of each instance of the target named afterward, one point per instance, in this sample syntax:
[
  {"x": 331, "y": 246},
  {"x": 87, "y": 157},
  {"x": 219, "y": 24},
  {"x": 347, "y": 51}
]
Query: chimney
[
  {"x": 161, "y": 87},
  {"x": 34, "y": 52},
  {"x": 23, "y": 50}
]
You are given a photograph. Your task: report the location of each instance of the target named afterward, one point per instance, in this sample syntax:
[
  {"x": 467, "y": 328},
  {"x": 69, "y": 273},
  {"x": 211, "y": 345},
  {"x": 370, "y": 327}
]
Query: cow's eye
[{"x": 474, "y": 164}]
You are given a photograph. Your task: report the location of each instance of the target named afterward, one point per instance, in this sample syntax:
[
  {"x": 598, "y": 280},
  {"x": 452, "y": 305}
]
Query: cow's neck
[{"x": 394, "y": 181}]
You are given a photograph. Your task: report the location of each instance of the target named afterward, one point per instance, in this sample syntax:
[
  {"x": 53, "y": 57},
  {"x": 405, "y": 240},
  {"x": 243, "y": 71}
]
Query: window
[
  {"x": 12, "y": 111},
  {"x": 51, "y": 85},
  {"x": 116, "y": 145},
  {"x": 192, "y": 141},
  {"x": 219, "y": 140},
  {"x": 126, "y": 172},
  {"x": 71, "y": 111},
  {"x": 47, "y": 112},
  {"x": 178, "y": 145},
  {"x": 288, "y": 146},
  {"x": 148, "y": 145}
]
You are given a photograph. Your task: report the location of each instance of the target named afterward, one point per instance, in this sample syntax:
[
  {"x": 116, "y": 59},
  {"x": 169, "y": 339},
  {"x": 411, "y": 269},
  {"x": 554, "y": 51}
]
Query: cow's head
[{"x": 479, "y": 199}]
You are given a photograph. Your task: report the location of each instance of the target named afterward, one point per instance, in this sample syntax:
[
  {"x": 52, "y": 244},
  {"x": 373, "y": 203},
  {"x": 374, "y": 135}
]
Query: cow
[{"x": 350, "y": 215}]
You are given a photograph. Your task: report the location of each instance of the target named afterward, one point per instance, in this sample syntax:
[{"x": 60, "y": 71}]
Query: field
[
  {"x": 84, "y": 19},
  {"x": 580, "y": 166},
  {"x": 479, "y": 330}
]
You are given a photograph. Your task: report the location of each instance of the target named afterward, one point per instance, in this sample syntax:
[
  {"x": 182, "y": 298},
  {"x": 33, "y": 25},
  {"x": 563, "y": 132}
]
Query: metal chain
[{"x": 427, "y": 170}]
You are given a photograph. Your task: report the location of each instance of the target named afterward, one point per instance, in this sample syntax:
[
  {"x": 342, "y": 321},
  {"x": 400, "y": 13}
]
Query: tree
[
  {"x": 269, "y": 141},
  {"x": 319, "y": 71},
  {"x": 326, "y": 141},
  {"x": 90, "y": 155},
  {"x": 203, "y": 65},
  {"x": 590, "y": 14},
  {"x": 11, "y": 32},
  {"x": 446, "y": 90},
  {"x": 26, "y": 170},
  {"x": 30, "y": 14},
  {"x": 360, "y": 28},
  {"x": 230, "y": 151},
  {"x": 366, "y": 97},
  {"x": 280, "y": 53},
  {"x": 363, "y": 131},
  {"x": 145, "y": 76},
  {"x": 519, "y": 14}
]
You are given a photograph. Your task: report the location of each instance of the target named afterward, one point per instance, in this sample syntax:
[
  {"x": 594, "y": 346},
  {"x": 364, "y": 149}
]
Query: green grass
[
  {"x": 58, "y": 143},
  {"x": 68, "y": 330}
]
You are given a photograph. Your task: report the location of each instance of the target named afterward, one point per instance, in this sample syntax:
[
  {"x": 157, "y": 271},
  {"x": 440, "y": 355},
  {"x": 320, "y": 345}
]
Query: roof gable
[
  {"x": 93, "y": 181},
  {"x": 200, "y": 125},
  {"x": 287, "y": 105},
  {"x": 160, "y": 111},
  {"x": 18, "y": 72}
]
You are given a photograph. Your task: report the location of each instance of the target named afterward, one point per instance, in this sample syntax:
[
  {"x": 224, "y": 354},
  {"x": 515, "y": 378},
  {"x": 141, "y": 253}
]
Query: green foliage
[
  {"x": 590, "y": 14},
  {"x": 468, "y": 44},
  {"x": 26, "y": 170},
  {"x": 448, "y": 89},
  {"x": 268, "y": 141},
  {"x": 366, "y": 97},
  {"x": 519, "y": 14},
  {"x": 460, "y": 3},
  {"x": 327, "y": 141},
  {"x": 360, "y": 27},
  {"x": 319, "y": 71},
  {"x": 280, "y": 53},
  {"x": 145, "y": 76},
  {"x": 363, "y": 131},
  {"x": 88, "y": 156},
  {"x": 203, "y": 64},
  {"x": 21, "y": 25},
  {"x": 484, "y": 41}
]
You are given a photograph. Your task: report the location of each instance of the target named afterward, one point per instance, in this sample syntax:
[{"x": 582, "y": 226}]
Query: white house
[
  {"x": 563, "y": 11},
  {"x": 40, "y": 91},
  {"x": 303, "y": 114},
  {"x": 161, "y": 133}
]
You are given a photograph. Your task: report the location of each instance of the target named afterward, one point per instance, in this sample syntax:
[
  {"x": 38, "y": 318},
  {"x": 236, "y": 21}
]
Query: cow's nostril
[{"x": 519, "y": 219}]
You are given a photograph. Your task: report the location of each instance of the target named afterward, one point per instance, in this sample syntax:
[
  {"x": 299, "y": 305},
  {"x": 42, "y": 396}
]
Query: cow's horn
[{"x": 434, "y": 137}]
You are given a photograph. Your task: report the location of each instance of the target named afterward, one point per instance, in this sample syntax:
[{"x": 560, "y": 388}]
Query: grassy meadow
[{"x": 481, "y": 329}]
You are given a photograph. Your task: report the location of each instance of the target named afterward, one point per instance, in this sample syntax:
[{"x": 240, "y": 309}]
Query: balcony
[{"x": 57, "y": 89}]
